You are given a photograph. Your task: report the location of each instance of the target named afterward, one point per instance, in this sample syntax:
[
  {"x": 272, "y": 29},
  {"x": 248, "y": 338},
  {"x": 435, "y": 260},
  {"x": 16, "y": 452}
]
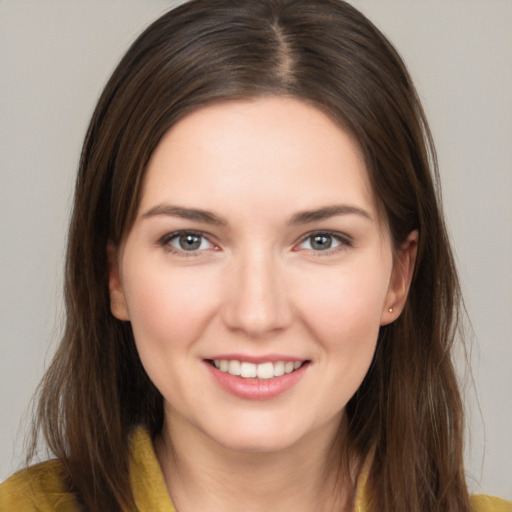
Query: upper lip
[{"x": 272, "y": 358}]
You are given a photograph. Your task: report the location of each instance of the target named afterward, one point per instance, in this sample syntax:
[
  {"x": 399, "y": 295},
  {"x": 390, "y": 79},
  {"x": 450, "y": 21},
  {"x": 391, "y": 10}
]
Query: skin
[{"x": 257, "y": 286}]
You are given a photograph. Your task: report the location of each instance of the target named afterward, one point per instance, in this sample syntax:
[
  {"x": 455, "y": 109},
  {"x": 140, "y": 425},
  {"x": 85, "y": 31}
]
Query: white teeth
[
  {"x": 265, "y": 371},
  {"x": 248, "y": 370},
  {"x": 261, "y": 371},
  {"x": 233, "y": 367},
  {"x": 278, "y": 369}
]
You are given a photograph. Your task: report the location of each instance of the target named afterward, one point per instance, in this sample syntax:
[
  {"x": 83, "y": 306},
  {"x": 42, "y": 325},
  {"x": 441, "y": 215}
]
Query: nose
[{"x": 256, "y": 302}]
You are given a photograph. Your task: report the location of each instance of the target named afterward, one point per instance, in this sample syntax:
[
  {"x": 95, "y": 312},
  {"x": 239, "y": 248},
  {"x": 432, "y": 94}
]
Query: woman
[{"x": 261, "y": 298}]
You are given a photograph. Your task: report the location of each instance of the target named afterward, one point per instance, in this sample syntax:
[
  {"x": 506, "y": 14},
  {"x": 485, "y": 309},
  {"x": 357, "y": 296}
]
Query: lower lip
[{"x": 256, "y": 389}]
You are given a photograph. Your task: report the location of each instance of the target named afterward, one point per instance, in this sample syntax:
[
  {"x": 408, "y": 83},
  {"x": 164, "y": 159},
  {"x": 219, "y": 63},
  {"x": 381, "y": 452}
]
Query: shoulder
[
  {"x": 38, "y": 488},
  {"x": 483, "y": 503}
]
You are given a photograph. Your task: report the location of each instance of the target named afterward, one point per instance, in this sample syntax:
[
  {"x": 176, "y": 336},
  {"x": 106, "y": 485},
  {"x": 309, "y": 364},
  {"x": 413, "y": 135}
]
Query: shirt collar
[{"x": 150, "y": 491}]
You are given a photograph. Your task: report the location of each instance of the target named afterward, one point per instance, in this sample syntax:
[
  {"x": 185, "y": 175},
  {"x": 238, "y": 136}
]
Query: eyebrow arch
[
  {"x": 185, "y": 213},
  {"x": 326, "y": 213},
  {"x": 304, "y": 217}
]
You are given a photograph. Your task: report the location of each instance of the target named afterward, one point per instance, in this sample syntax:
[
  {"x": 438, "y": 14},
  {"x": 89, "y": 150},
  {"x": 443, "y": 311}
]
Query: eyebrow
[
  {"x": 327, "y": 212},
  {"x": 194, "y": 214},
  {"x": 207, "y": 217}
]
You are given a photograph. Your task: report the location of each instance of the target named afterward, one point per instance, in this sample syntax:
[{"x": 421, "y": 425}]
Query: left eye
[
  {"x": 188, "y": 242},
  {"x": 320, "y": 242}
]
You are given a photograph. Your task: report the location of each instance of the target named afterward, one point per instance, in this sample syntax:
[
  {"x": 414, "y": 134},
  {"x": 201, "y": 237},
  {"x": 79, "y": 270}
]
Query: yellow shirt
[{"x": 39, "y": 488}]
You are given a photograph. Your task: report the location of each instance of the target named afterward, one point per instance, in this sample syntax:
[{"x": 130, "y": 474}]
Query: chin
[
  {"x": 257, "y": 443},
  {"x": 269, "y": 436}
]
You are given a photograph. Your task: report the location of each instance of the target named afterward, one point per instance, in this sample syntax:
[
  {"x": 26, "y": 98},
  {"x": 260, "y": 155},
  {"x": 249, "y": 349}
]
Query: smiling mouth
[{"x": 261, "y": 371}]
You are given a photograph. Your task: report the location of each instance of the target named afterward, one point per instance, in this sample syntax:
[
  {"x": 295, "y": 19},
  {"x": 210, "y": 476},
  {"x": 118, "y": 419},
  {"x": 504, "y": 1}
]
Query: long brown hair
[{"x": 408, "y": 409}]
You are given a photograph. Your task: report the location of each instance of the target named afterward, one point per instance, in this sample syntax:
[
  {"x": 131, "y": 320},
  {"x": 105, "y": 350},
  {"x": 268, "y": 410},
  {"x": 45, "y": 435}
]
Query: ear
[
  {"x": 401, "y": 276},
  {"x": 118, "y": 305}
]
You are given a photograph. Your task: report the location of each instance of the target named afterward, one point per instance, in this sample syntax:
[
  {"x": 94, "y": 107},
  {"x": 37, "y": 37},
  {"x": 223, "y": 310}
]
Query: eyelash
[
  {"x": 166, "y": 240},
  {"x": 343, "y": 240}
]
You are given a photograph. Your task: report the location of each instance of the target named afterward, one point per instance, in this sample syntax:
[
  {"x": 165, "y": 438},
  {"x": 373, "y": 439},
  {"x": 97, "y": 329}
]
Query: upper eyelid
[
  {"x": 344, "y": 238},
  {"x": 345, "y": 242},
  {"x": 168, "y": 237},
  {"x": 174, "y": 234}
]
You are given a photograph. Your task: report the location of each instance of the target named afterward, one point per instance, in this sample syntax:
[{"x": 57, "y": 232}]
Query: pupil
[
  {"x": 190, "y": 242},
  {"x": 321, "y": 242}
]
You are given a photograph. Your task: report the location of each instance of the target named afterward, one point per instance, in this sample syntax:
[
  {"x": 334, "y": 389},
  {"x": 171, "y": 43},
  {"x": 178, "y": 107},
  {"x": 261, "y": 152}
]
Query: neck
[{"x": 201, "y": 475}]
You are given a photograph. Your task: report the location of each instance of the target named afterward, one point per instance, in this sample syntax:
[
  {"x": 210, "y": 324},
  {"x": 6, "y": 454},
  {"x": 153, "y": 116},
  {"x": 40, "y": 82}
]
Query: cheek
[
  {"x": 168, "y": 313},
  {"x": 168, "y": 309},
  {"x": 347, "y": 302},
  {"x": 344, "y": 314}
]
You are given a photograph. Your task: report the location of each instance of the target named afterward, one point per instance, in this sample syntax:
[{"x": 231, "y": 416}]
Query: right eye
[
  {"x": 321, "y": 242},
  {"x": 186, "y": 241}
]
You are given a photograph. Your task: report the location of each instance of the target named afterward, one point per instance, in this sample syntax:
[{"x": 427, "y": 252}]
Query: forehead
[{"x": 266, "y": 151}]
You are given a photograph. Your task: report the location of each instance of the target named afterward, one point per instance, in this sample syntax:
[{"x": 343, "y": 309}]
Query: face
[{"x": 257, "y": 273}]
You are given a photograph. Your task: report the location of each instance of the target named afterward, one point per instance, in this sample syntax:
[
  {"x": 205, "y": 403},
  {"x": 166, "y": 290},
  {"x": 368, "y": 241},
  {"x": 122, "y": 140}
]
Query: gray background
[{"x": 55, "y": 56}]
